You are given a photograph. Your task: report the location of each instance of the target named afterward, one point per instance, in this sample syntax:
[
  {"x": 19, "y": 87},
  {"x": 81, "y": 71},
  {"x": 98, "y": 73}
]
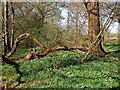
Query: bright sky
[
  {"x": 113, "y": 28},
  {"x": 64, "y": 14}
]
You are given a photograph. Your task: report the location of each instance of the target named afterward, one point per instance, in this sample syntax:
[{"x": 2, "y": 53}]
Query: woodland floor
[{"x": 63, "y": 69}]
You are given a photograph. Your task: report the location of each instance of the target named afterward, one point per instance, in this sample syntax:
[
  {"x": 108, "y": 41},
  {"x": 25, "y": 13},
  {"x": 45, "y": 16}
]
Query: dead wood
[
  {"x": 31, "y": 55},
  {"x": 21, "y": 37},
  {"x": 34, "y": 54},
  {"x": 16, "y": 42}
]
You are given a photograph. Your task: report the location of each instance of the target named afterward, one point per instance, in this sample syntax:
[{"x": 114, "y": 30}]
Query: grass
[{"x": 63, "y": 69}]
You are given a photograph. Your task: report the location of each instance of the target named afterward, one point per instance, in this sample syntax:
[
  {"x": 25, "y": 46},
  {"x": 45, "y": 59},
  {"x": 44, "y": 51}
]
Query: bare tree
[
  {"x": 94, "y": 27},
  {"x": 68, "y": 19},
  {"x": 4, "y": 32},
  {"x": 12, "y": 26}
]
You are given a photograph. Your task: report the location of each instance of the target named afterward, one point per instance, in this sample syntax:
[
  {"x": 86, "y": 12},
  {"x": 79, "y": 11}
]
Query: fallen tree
[
  {"x": 33, "y": 54},
  {"x": 20, "y": 38},
  {"x": 16, "y": 42}
]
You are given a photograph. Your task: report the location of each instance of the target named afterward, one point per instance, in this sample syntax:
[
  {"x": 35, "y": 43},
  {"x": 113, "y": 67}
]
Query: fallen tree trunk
[
  {"x": 18, "y": 39},
  {"x": 21, "y": 37},
  {"x": 32, "y": 55}
]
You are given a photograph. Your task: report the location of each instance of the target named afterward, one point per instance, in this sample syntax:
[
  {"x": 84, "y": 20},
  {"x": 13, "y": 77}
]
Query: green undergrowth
[
  {"x": 9, "y": 75},
  {"x": 63, "y": 69}
]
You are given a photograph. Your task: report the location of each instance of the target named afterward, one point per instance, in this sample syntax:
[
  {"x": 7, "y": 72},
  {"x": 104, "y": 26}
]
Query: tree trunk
[
  {"x": 7, "y": 27},
  {"x": 94, "y": 27},
  {"x": 76, "y": 23},
  {"x": 68, "y": 20},
  {"x": 4, "y": 35},
  {"x": 80, "y": 36},
  {"x": 12, "y": 26}
]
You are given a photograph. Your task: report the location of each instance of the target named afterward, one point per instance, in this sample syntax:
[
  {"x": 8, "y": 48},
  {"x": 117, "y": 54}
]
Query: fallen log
[
  {"x": 21, "y": 37},
  {"x": 16, "y": 42},
  {"x": 18, "y": 39},
  {"x": 32, "y": 55}
]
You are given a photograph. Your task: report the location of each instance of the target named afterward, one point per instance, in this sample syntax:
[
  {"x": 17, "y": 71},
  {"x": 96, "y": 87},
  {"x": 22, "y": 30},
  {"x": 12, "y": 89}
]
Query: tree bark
[
  {"x": 12, "y": 26},
  {"x": 4, "y": 44},
  {"x": 94, "y": 27},
  {"x": 7, "y": 27}
]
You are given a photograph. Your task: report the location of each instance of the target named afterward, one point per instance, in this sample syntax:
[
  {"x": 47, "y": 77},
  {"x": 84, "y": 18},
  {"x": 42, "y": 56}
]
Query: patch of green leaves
[
  {"x": 63, "y": 69},
  {"x": 9, "y": 75}
]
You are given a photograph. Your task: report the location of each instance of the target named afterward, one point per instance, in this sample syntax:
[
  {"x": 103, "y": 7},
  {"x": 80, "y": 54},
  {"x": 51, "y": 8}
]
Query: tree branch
[
  {"x": 21, "y": 37},
  {"x": 31, "y": 55}
]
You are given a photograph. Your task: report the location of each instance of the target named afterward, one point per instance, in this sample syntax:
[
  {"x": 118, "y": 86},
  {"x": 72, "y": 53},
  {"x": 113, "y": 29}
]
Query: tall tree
[
  {"x": 4, "y": 31},
  {"x": 7, "y": 26},
  {"x": 74, "y": 9},
  {"x": 12, "y": 25},
  {"x": 94, "y": 27},
  {"x": 76, "y": 22},
  {"x": 68, "y": 19}
]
